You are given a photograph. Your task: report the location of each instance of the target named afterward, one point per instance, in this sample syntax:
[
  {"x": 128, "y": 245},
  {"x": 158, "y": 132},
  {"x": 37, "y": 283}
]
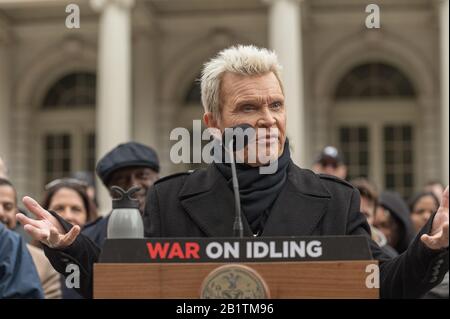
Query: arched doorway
[
  {"x": 191, "y": 109},
  {"x": 375, "y": 124},
  {"x": 66, "y": 127}
]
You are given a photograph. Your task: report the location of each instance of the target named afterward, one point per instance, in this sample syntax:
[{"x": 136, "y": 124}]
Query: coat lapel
[
  {"x": 297, "y": 211},
  {"x": 210, "y": 203},
  {"x": 300, "y": 205}
]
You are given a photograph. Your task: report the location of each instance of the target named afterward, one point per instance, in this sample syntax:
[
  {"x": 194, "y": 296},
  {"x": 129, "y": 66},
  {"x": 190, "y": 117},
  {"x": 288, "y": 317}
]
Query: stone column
[
  {"x": 285, "y": 38},
  {"x": 5, "y": 92},
  {"x": 114, "y": 106}
]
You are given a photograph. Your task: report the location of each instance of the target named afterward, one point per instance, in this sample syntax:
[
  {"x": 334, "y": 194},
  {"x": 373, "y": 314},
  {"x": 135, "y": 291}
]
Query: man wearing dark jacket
[
  {"x": 18, "y": 275},
  {"x": 127, "y": 165},
  {"x": 242, "y": 85}
]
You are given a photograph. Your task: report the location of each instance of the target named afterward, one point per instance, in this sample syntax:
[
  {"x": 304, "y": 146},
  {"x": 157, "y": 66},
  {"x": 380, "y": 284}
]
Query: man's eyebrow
[
  {"x": 276, "y": 98},
  {"x": 250, "y": 100}
]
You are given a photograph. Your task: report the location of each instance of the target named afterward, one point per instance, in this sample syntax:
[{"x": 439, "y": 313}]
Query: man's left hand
[{"x": 438, "y": 239}]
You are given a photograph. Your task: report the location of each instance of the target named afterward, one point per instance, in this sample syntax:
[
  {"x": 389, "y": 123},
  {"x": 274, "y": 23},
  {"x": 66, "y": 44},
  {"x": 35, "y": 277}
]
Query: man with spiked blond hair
[{"x": 242, "y": 85}]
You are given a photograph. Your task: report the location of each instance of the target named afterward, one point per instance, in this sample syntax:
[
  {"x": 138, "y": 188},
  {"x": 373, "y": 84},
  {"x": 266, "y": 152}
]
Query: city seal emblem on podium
[{"x": 234, "y": 282}]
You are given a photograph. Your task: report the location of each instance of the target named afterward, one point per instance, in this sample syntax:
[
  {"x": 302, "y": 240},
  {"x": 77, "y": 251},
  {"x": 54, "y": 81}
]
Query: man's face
[
  {"x": 256, "y": 100},
  {"x": 368, "y": 209},
  {"x": 128, "y": 177},
  {"x": 8, "y": 206}
]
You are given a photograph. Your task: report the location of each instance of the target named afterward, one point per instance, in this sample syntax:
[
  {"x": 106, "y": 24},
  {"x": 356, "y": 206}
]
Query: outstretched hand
[
  {"x": 438, "y": 239},
  {"x": 46, "y": 228}
]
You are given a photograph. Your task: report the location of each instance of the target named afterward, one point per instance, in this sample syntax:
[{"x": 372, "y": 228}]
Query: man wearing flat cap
[
  {"x": 127, "y": 165},
  {"x": 242, "y": 85}
]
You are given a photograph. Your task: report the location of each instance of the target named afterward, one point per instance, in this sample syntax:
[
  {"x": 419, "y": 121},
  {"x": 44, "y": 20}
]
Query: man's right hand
[{"x": 46, "y": 228}]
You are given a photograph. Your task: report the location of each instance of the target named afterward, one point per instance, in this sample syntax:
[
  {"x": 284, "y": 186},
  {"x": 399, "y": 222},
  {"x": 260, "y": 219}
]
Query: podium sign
[{"x": 278, "y": 267}]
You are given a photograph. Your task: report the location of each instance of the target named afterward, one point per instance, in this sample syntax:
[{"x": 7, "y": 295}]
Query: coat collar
[{"x": 298, "y": 209}]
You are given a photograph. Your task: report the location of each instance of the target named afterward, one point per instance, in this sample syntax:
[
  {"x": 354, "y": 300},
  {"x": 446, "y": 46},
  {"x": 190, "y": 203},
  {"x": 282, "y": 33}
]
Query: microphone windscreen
[{"x": 241, "y": 135}]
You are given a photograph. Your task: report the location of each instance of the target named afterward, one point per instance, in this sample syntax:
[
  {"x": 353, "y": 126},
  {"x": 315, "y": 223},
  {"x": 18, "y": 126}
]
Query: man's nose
[
  {"x": 134, "y": 181},
  {"x": 267, "y": 119}
]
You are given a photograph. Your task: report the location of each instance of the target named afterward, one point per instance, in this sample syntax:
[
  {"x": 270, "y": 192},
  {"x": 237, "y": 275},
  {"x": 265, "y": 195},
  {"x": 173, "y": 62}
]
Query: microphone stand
[{"x": 238, "y": 227}]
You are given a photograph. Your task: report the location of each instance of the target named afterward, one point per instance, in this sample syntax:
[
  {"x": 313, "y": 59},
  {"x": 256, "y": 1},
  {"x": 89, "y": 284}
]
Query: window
[
  {"x": 354, "y": 144},
  {"x": 374, "y": 117},
  {"x": 374, "y": 80},
  {"x": 90, "y": 152},
  {"x": 57, "y": 156},
  {"x": 398, "y": 158},
  {"x": 72, "y": 90},
  {"x": 67, "y": 126}
]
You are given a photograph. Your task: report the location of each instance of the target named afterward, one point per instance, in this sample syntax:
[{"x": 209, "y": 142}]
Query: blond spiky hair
[{"x": 241, "y": 59}]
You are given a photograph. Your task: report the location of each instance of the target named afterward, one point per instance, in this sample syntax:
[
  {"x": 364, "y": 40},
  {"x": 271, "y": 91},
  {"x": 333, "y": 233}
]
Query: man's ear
[
  {"x": 209, "y": 120},
  {"x": 342, "y": 171}
]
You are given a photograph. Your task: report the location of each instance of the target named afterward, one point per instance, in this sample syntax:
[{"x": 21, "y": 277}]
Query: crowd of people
[
  {"x": 73, "y": 198},
  {"x": 241, "y": 85},
  {"x": 29, "y": 274},
  {"x": 394, "y": 221}
]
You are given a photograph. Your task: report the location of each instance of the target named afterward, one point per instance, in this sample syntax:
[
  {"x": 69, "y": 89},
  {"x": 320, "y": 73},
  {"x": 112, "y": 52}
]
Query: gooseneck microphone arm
[{"x": 238, "y": 227}]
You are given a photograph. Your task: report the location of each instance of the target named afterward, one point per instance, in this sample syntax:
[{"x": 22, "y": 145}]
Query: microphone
[{"x": 238, "y": 130}]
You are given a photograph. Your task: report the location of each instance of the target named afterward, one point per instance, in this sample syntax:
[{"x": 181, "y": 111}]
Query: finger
[
  {"x": 35, "y": 208},
  {"x": 429, "y": 241},
  {"x": 36, "y": 233},
  {"x": 54, "y": 237},
  {"x": 70, "y": 237},
  {"x": 24, "y": 220},
  {"x": 437, "y": 241},
  {"x": 444, "y": 201}
]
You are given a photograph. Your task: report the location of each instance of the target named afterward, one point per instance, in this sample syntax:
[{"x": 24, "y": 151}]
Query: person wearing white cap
[{"x": 330, "y": 162}]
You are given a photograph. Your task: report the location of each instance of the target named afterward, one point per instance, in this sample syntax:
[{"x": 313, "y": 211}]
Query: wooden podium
[{"x": 330, "y": 276}]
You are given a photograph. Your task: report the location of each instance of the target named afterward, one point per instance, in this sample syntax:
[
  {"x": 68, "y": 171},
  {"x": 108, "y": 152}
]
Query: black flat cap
[{"x": 130, "y": 154}]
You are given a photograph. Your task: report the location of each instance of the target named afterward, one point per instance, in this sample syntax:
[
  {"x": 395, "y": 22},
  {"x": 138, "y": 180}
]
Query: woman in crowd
[
  {"x": 422, "y": 206},
  {"x": 68, "y": 198}
]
